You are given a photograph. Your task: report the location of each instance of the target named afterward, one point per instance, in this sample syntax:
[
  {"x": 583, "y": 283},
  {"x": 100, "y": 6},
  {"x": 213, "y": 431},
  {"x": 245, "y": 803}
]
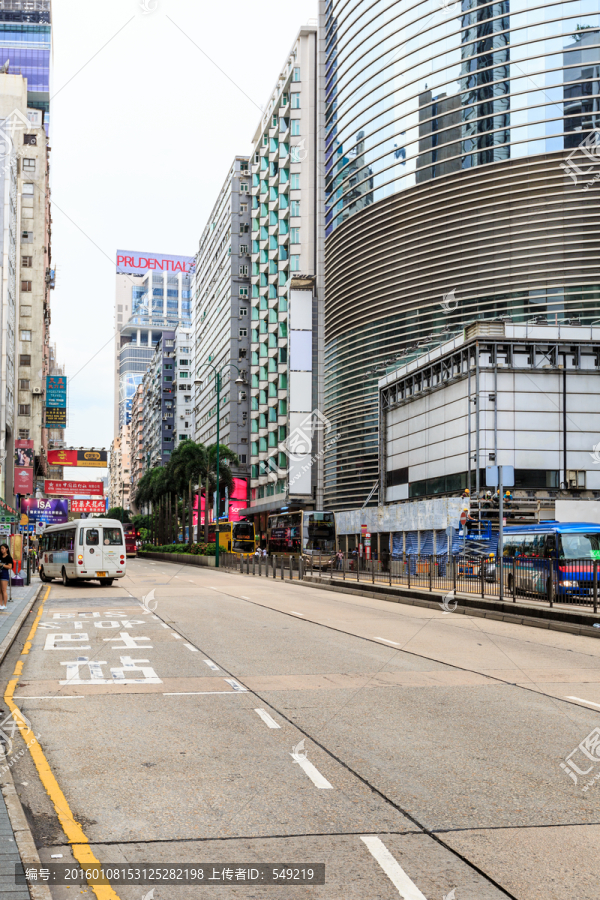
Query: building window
[
  {"x": 26, "y": 285},
  {"x": 295, "y": 129},
  {"x": 294, "y": 263},
  {"x": 244, "y": 187},
  {"x": 243, "y": 310},
  {"x": 243, "y": 292},
  {"x": 27, "y": 237},
  {"x": 28, "y": 188},
  {"x": 25, "y": 335},
  {"x": 243, "y": 270},
  {"x": 274, "y": 122},
  {"x": 24, "y": 409},
  {"x": 295, "y": 181},
  {"x": 24, "y": 384},
  {"x": 294, "y": 235},
  {"x": 244, "y": 228},
  {"x": 243, "y": 332},
  {"x": 243, "y": 207},
  {"x": 28, "y": 164},
  {"x": 25, "y": 310},
  {"x": 265, "y": 140},
  {"x": 24, "y": 359},
  {"x": 243, "y": 458},
  {"x": 296, "y": 74},
  {"x": 295, "y": 208},
  {"x": 243, "y": 167},
  {"x": 30, "y": 140},
  {"x": 295, "y": 101},
  {"x": 23, "y": 434},
  {"x": 243, "y": 249},
  {"x": 26, "y": 261}
]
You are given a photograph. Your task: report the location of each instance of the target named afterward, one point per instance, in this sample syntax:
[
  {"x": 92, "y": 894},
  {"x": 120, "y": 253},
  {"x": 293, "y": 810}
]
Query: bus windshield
[
  {"x": 243, "y": 536},
  {"x": 321, "y": 532},
  {"x": 580, "y": 546}
]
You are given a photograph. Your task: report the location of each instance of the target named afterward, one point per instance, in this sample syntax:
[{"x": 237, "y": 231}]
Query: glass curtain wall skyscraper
[
  {"x": 26, "y": 45},
  {"x": 451, "y": 191}
]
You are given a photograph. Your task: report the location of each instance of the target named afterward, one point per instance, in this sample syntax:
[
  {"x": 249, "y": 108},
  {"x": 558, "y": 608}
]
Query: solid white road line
[
  {"x": 581, "y": 700},
  {"x": 193, "y": 649},
  {"x": 394, "y": 871},
  {"x": 387, "y": 641},
  {"x": 267, "y": 718},
  {"x": 54, "y": 697},
  {"x": 197, "y": 693},
  {"x": 313, "y": 773},
  {"x": 212, "y": 665},
  {"x": 236, "y": 685}
]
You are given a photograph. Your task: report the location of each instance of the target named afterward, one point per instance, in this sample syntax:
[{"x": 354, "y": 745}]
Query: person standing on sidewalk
[{"x": 6, "y": 564}]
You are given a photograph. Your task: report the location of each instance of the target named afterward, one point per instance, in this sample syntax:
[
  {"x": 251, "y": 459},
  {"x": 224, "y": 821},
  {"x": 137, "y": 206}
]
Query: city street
[{"x": 236, "y": 720}]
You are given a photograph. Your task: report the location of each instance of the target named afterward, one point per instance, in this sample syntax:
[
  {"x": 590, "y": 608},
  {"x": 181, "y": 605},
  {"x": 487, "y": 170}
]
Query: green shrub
[{"x": 195, "y": 549}]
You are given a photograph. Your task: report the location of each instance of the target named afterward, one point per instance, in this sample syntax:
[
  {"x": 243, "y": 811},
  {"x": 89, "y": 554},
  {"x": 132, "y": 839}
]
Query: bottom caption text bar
[{"x": 169, "y": 873}]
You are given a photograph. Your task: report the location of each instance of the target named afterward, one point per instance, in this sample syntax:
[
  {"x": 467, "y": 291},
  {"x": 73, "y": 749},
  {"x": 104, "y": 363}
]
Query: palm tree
[
  {"x": 189, "y": 464},
  {"x": 229, "y": 458}
]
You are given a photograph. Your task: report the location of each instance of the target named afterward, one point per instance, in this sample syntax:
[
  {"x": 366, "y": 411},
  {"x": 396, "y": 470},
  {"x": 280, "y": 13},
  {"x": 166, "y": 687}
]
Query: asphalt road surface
[{"x": 235, "y": 721}]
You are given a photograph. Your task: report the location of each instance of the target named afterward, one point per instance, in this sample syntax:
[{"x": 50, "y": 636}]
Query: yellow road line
[{"x": 72, "y": 829}]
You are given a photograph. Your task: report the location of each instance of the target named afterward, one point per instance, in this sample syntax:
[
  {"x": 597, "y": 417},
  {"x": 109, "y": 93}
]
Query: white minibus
[{"x": 83, "y": 550}]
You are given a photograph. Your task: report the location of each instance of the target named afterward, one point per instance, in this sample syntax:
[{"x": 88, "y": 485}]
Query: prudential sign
[{"x": 131, "y": 262}]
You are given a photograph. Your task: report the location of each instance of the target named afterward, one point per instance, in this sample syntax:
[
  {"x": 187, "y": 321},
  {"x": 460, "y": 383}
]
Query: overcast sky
[{"x": 143, "y": 130}]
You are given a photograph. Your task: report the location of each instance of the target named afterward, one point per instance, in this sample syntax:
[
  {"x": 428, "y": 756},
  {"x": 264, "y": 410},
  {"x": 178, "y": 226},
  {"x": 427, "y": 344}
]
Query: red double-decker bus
[{"x": 131, "y": 536}]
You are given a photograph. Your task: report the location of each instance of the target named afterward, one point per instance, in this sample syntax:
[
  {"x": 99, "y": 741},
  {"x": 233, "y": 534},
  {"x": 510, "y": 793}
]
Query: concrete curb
[
  {"x": 559, "y": 620},
  {"x": 21, "y": 830},
  {"x": 10, "y": 637}
]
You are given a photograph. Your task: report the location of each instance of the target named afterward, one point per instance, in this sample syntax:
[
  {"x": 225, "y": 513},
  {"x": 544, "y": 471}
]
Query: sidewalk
[{"x": 9, "y": 853}]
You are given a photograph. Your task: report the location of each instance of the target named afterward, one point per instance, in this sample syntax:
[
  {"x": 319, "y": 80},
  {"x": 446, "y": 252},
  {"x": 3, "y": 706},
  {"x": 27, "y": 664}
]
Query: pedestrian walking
[
  {"x": 339, "y": 556},
  {"x": 6, "y": 564}
]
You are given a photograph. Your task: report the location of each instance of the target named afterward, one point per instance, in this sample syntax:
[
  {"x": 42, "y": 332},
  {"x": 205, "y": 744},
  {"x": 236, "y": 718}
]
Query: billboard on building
[
  {"x": 74, "y": 488},
  {"x": 131, "y": 262},
  {"x": 88, "y": 506},
  {"x": 23, "y": 480},
  {"x": 24, "y": 453},
  {"x": 51, "y": 512},
  {"x": 96, "y": 458},
  {"x": 56, "y": 392},
  {"x": 56, "y": 417}
]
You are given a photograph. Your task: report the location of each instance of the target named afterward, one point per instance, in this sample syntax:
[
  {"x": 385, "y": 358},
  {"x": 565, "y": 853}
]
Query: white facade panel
[
  {"x": 300, "y": 392},
  {"x": 301, "y": 310},
  {"x": 301, "y": 351}
]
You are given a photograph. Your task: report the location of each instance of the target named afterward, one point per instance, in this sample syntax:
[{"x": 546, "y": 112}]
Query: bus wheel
[
  {"x": 106, "y": 582},
  {"x": 66, "y": 581},
  {"x": 42, "y": 575}
]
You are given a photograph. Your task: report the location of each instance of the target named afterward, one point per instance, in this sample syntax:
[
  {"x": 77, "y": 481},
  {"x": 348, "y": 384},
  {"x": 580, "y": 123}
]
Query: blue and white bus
[
  {"x": 566, "y": 551},
  {"x": 83, "y": 550}
]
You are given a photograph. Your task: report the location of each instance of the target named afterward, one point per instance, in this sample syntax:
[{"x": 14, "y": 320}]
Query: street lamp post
[{"x": 239, "y": 380}]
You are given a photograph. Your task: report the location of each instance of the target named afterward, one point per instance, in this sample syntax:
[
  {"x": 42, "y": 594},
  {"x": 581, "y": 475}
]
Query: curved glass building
[{"x": 461, "y": 163}]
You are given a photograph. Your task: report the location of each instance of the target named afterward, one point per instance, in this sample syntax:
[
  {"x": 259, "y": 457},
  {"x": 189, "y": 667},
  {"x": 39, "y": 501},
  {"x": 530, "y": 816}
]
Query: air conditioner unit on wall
[{"x": 37, "y": 390}]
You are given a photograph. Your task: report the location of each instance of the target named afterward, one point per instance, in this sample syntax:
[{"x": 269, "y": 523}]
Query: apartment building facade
[
  {"x": 26, "y": 276},
  {"x": 287, "y": 290},
  {"x": 221, "y": 329}
]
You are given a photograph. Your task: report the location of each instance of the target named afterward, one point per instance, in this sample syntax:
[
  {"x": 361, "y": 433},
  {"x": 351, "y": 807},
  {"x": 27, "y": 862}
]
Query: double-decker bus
[
  {"x": 234, "y": 537},
  {"x": 304, "y": 532},
  {"x": 564, "y": 551},
  {"x": 83, "y": 550},
  {"x": 131, "y": 536}
]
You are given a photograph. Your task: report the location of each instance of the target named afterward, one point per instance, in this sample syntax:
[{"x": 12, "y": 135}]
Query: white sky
[{"x": 142, "y": 139}]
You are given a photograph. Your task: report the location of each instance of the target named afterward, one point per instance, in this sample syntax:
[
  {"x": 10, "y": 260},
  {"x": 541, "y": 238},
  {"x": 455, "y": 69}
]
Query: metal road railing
[{"x": 572, "y": 582}]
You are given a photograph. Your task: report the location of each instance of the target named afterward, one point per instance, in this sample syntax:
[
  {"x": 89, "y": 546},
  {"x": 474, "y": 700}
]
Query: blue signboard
[
  {"x": 56, "y": 392},
  {"x": 52, "y": 512}
]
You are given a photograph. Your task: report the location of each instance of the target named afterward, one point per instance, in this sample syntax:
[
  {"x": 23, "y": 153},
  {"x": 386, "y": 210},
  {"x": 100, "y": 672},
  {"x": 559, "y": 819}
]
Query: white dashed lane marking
[
  {"x": 394, "y": 871},
  {"x": 387, "y": 641},
  {"x": 581, "y": 700},
  {"x": 313, "y": 773},
  {"x": 267, "y": 718},
  {"x": 193, "y": 649},
  {"x": 211, "y": 665}
]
